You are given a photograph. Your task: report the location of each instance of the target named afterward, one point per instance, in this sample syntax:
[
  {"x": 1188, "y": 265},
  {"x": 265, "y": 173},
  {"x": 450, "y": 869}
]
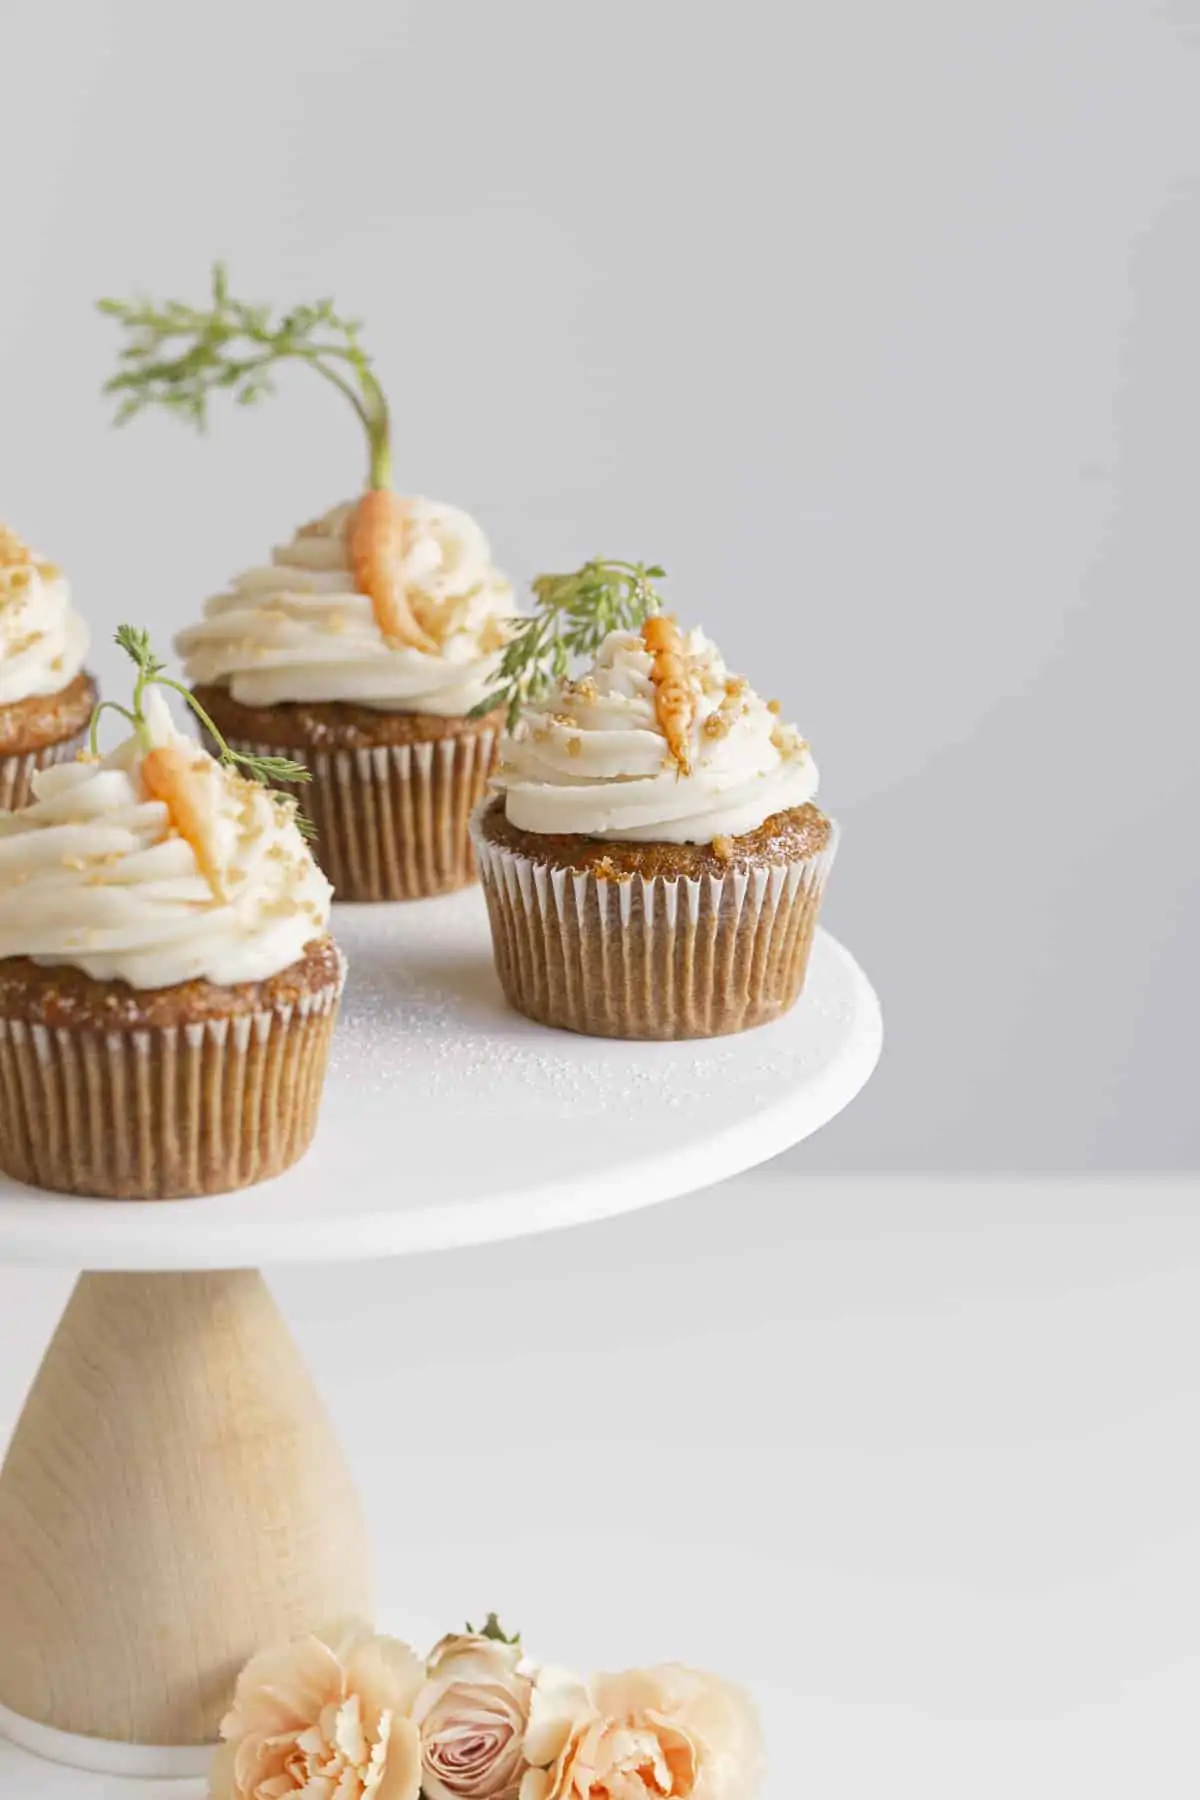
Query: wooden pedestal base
[{"x": 173, "y": 1500}]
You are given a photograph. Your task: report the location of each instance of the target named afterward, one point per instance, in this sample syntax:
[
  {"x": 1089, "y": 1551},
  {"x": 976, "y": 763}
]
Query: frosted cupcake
[
  {"x": 652, "y": 859},
  {"x": 46, "y": 699},
  {"x": 168, "y": 986},
  {"x": 363, "y": 648},
  {"x": 292, "y": 658}
]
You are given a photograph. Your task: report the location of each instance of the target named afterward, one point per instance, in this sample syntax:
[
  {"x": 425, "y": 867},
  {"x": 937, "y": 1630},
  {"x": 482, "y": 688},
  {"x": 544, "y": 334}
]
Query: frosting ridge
[
  {"x": 592, "y": 759},
  {"x": 95, "y": 876},
  {"x": 298, "y": 629},
  {"x": 43, "y": 640}
]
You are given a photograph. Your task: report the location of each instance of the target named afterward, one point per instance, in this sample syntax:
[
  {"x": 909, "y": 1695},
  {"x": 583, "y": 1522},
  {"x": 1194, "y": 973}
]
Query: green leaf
[
  {"x": 175, "y": 356},
  {"x": 575, "y": 613},
  {"x": 134, "y": 640},
  {"x": 493, "y": 1629},
  {"x": 269, "y": 768}
]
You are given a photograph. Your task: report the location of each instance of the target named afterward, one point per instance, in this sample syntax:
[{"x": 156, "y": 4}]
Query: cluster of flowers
[{"x": 354, "y": 1716}]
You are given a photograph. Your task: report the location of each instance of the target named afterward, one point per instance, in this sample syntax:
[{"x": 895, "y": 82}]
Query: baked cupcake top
[
  {"x": 158, "y": 864},
  {"x": 657, "y": 743},
  {"x": 302, "y": 628},
  {"x": 43, "y": 640}
]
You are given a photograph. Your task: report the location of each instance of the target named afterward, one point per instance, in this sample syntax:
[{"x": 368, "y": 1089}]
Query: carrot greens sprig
[
  {"x": 177, "y": 356},
  {"x": 573, "y": 616},
  {"x": 135, "y": 642}
]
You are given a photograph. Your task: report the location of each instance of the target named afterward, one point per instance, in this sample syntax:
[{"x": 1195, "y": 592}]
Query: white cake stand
[{"x": 174, "y": 1497}]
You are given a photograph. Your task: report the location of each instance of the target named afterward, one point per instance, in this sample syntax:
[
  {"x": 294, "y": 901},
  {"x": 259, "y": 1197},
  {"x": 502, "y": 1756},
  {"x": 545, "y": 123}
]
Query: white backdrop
[{"x": 876, "y": 323}]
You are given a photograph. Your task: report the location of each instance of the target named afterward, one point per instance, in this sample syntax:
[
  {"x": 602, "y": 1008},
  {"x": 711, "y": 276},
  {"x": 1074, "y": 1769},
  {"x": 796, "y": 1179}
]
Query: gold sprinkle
[
  {"x": 575, "y": 746},
  {"x": 12, "y": 549},
  {"x": 773, "y": 707}
]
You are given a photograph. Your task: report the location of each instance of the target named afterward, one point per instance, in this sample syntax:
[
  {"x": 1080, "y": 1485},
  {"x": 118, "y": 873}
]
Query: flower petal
[
  {"x": 283, "y": 1688},
  {"x": 559, "y": 1702},
  {"x": 401, "y": 1778},
  {"x": 386, "y": 1674}
]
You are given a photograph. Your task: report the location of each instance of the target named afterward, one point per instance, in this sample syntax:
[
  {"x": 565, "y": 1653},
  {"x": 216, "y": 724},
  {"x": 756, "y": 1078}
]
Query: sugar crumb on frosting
[
  {"x": 43, "y": 640},
  {"x": 114, "y": 909},
  {"x": 609, "y": 769}
]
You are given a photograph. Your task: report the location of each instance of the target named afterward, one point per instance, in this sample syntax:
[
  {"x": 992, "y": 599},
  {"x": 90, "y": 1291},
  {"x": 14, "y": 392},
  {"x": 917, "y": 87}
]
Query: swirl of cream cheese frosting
[
  {"x": 43, "y": 640},
  {"x": 94, "y": 876},
  {"x": 299, "y": 629},
  {"x": 591, "y": 760}
]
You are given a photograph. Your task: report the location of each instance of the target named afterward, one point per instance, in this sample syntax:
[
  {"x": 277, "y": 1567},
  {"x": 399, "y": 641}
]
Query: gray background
[{"x": 875, "y": 322}]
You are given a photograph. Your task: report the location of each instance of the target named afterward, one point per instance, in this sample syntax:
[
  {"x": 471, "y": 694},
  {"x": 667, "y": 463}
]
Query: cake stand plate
[
  {"x": 174, "y": 1497},
  {"x": 450, "y": 1120}
]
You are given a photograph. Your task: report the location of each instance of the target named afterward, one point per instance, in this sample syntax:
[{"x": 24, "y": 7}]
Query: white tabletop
[
  {"x": 916, "y": 1460},
  {"x": 449, "y": 1119}
]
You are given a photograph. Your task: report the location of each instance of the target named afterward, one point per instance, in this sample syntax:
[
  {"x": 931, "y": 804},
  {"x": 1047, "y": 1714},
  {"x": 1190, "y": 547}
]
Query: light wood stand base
[{"x": 174, "y": 1499}]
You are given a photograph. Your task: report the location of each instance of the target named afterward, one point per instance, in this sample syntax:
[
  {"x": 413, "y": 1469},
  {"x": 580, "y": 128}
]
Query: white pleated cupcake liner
[
  {"x": 17, "y": 772},
  {"x": 393, "y": 821},
  {"x": 165, "y": 1112},
  {"x": 660, "y": 957}
]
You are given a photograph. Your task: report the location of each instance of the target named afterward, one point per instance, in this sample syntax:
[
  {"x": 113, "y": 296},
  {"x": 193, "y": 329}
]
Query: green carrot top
[{"x": 177, "y": 356}]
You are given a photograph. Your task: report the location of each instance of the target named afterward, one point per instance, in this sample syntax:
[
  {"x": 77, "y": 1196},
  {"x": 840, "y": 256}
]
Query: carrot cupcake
[
  {"x": 46, "y": 699},
  {"x": 652, "y": 859},
  {"x": 168, "y": 986},
  {"x": 363, "y": 648}
]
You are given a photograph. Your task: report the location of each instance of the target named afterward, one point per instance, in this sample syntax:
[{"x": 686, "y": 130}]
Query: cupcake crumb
[{"x": 723, "y": 848}]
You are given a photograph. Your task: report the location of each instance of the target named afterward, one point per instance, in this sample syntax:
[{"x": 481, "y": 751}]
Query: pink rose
[{"x": 472, "y": 1714}]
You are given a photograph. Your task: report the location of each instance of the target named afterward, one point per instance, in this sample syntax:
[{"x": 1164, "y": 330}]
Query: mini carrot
[
  {"x": 674, "y": 704},
  {"x": 176, "y": 774},
  {"x": 376, "y": 540}
]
